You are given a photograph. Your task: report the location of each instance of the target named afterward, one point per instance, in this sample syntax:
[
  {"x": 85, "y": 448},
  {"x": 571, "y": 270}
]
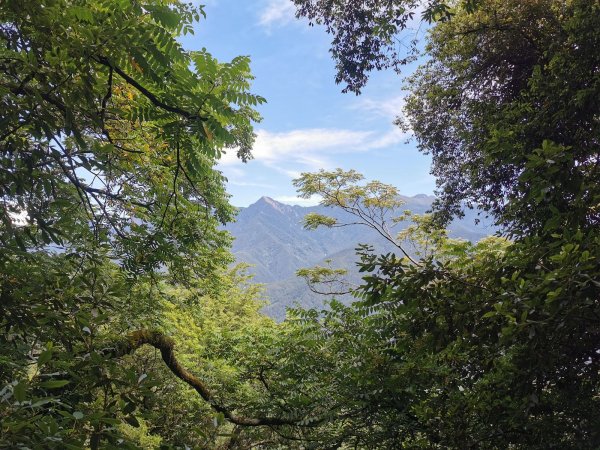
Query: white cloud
[
  {"x": 307, "y": 148},
  {"x": 277, "y": 13},
  {"x": 389, "y": 107},
  {"x": 281, "y": 156},
  {"x": 293, "y": 200},
  {"x": 252, "y": 184},
  {"x": 229, "y": 157},
  {"x": 392, "y": 137}
]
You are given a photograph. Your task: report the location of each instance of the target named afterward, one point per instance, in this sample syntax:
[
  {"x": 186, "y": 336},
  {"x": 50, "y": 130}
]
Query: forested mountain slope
[{"x": 270, "y": 236}]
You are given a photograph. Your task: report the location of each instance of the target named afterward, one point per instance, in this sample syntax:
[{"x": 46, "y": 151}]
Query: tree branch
[
  {"x": 146, "y": 93},
  {"x": 166, "y": 346}
]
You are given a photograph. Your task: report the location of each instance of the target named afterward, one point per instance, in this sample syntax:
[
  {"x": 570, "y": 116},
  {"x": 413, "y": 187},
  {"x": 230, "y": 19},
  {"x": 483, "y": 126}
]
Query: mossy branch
[{"x": 166, "y": 346}]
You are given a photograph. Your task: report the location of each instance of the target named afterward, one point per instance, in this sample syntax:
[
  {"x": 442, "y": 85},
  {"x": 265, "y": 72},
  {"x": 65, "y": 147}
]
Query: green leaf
[
  {"x": 82, "y": 13},
  {"x": 44, "y": 357},
  {"x": 133, "y": 421},
  {"x": 129, "y": 408},
  {"x": 54, "y": 384},
  {"x": 19, "y": 391}
]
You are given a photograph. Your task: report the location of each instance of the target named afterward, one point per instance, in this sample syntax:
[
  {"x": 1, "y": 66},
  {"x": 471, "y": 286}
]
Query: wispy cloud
[
  {"x": 296, "y": 151},
  {"x": 293, "y": 200},
  {"x": 252, "y": 184},
  {"x": 388, "y": 107},
  {"x": 277, "y": 13},
  {"x": 306, "y": 148},
  {"x": 393, "y": 137}
]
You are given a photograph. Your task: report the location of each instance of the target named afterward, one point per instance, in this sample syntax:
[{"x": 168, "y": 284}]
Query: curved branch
[
  {"x": 166, "y": 345},
  {"x": 146, "y": 93}
]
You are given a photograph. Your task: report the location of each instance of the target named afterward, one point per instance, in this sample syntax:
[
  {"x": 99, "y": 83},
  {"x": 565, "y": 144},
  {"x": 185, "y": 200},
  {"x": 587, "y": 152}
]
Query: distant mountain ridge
[{"x": 269, "y": 235}]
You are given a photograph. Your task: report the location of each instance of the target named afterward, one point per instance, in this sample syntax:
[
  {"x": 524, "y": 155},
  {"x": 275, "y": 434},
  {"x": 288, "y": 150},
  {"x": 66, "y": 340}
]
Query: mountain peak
[
  {"x": 268, "y": 202},
  {"x": 270, "y": 236}
]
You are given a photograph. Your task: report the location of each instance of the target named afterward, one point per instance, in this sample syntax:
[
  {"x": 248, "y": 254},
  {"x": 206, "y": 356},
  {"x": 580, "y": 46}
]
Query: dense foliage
[
  {"x": 508, "y": 108},
  {"x": 107, "y": 121},
  {"x": 494, "y": 345},
  {"x": 110, "y": 241},
  {"x": 109, "y": 134}
]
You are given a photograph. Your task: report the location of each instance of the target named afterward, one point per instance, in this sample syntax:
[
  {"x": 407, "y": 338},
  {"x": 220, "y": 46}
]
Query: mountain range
[{"x": 270, "y": 236}]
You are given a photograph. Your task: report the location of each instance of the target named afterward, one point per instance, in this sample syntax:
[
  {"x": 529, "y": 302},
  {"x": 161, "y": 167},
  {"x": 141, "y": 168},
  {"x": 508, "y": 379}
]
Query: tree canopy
[
  {"x": 507, "y": 107},
  {"x": 109, "y": 135},
  {"x": 504, "y": 337},
  {"x": 111, "y": 129},
  {"x": 110, "y": 239}
]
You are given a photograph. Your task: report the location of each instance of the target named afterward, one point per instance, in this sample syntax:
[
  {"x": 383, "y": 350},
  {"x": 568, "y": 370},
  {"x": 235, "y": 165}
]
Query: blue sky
[{"x": 308, "y": 124}]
